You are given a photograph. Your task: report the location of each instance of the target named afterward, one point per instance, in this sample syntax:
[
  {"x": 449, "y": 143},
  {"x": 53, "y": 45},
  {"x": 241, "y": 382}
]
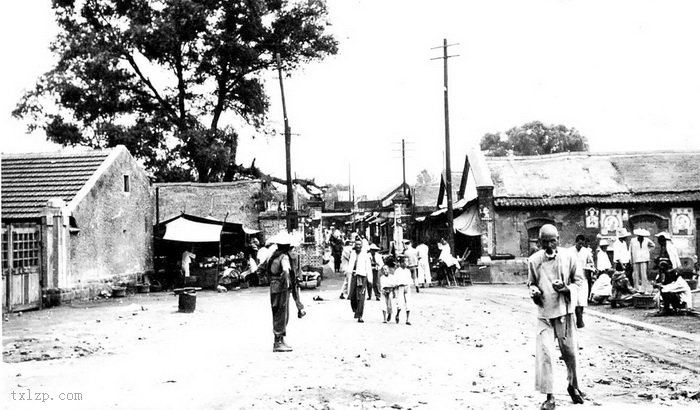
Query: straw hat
[
  {"x": 664, "y": 234},
  {"x": 603, "y": 242},
  {"x": 373, "y": 247},
  {"x": 623, "y": 233},
  {"x": 283, "y": 238},
  {"x": 641, "y": 232}
]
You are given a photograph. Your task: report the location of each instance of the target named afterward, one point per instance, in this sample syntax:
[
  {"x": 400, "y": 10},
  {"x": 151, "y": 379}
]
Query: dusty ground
[{"x": 469, "y": 347}]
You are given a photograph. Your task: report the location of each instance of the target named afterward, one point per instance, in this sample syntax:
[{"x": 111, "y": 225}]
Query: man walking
[
  {"x": 552, "y": 277},
  {"x": 360, "y": 271}
]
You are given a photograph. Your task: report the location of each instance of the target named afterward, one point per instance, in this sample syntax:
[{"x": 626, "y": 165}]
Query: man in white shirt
[
  {"x": 424, "y": 277},
  {"x": 412, "y": 262},
  {"x": 360, "y": 271},
  {"x": 187, "y": 257},
  {"x": 640, "y": 255},
  {"x": 585, "y": 266},
  {"x": 621, "y": 250}
]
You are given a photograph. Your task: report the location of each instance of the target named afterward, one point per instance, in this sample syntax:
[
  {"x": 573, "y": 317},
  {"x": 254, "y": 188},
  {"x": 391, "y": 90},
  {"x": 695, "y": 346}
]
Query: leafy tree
[
  {"x": 424, "y": 178},
  {"x": 167, "y": 78},
  {"x": 534, "y": 138}
]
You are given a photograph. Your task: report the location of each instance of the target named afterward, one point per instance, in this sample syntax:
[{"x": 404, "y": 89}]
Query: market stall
[{"x": 216, "y": 247}]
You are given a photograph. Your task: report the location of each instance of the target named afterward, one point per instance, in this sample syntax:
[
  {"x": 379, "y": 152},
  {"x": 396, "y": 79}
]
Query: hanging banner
[
  {"x": 592, "y": 218},
  {"x": 611, "y": 221}
]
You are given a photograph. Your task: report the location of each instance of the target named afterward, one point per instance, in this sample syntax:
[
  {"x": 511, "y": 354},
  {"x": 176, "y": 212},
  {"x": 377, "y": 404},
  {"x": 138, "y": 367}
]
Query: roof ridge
[
  {"x": 58, "y": 154},
  {"x": 588, "y": 154}
]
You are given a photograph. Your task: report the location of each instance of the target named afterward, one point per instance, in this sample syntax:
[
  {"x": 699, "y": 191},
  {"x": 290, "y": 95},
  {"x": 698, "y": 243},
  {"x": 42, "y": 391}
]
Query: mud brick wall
[
  {"x": 238, "y": 199},
  {"x": 114, "y": 236},
  {"x": 511, "y": 225}
]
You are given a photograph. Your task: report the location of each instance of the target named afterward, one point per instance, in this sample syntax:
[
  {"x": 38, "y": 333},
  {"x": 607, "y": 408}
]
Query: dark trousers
[
  {"x": 280, "y": 312},
  {"x": 374, "y": 286},
  {"x": 671, "y": 300},
  {"x": 336, "y": 261},
  {"x": 357, "y": 295}
]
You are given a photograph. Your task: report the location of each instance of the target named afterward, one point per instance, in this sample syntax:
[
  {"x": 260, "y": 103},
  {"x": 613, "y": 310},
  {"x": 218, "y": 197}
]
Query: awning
[
  {"x": 250, "y": 231},
  {"x": 468, "y": 222},
  {"x": 185, "y": 230},
  {"x": 420, "y": 219},
  {"x": 439, "y": 212},
  {"x": 190, "y": 228},
  {"x": 329, "y": 214}
]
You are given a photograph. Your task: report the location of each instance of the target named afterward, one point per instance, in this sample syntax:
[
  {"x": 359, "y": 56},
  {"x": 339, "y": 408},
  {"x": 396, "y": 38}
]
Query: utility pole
[
  {"x": 288, "y": 151},
  {"x": 403, "y": 162},
  {"x": 448, "y": 169}
]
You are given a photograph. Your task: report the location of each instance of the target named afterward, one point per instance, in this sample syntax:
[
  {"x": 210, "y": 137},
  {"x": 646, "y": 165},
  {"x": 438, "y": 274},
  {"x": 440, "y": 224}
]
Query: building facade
[{"x": 73, "y": 224}]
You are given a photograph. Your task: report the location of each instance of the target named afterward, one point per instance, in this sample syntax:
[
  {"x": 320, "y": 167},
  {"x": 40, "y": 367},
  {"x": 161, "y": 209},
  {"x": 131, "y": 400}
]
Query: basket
[
  {"x": 118, "y": 292},
  {"x": 643, "y": 301}
]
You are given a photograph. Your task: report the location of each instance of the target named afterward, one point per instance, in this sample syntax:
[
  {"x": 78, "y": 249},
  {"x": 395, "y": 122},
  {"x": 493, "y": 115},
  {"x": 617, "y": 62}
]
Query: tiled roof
[
  {"x": 595, "y": 178},
  {"x": 30, "y": 180}
]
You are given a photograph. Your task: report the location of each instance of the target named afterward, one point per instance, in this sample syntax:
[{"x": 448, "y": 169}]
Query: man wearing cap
[
  {"x": 640, "y": 252},
  {"x": 552, "y": 277},
  {"x": 360, "y": 271},
  {"x": 282, "y": 278}
]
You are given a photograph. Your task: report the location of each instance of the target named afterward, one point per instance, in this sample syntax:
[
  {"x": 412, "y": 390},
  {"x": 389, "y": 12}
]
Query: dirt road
[{"x": 468, "y": 347}]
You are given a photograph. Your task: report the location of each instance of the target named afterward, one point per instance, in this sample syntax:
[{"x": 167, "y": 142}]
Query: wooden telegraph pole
[
  {"x": 291, "y": 214},
  {"x": 448, "y": 168}
]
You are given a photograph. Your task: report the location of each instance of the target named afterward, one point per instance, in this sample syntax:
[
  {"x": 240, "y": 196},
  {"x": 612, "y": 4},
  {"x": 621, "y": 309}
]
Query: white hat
[
  {"x": 373, "y": 247},
  {"x": 603, "y": 242},
  {"x": 664, "y": 234},
  {"x": 622, "y": 233},
  {"x": 283, "y": 238},
  {"x": 641, "y": 232}
]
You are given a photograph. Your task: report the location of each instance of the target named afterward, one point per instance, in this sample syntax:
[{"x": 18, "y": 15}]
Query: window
[
  {"x": 4, "y": 249},
  {"x": 126, "y": 183},
  {"x": 25, "y": 249}
]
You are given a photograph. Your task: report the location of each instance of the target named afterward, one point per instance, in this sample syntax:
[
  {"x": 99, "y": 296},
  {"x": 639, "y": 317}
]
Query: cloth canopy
[
  {"x": 190, "y": 228},
  {"x": 185, "y": 230},
  {"x": 468, "y": 222}
]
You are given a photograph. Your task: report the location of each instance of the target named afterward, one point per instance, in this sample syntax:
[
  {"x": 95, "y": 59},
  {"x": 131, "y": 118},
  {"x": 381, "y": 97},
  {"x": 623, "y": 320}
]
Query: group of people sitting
[{"x": 618, "y": 282}]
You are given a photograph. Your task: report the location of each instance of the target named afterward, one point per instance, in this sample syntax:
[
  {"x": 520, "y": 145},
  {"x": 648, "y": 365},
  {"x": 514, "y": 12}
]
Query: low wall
[
  {"x": 511, "y": 271},
  {"x": 88, "y": 290}
]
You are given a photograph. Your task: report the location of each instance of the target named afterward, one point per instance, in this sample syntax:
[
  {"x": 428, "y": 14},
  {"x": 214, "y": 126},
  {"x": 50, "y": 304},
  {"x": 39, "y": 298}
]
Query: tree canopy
[
  {"x": 424, "y": 178},
  {"x": 168, "y": 78},
  {"x": 534, "y": 138}
]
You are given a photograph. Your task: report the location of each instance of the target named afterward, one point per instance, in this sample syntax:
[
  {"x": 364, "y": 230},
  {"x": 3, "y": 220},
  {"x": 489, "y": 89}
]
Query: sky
[{"x": 624, "y": 73}]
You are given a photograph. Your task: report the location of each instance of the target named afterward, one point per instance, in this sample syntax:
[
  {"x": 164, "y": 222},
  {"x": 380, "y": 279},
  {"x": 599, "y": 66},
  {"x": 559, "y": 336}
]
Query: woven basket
[{"x": 643, "y": 301}]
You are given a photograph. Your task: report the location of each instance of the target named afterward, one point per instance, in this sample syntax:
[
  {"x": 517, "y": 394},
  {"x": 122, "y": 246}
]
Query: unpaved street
[{"x": 468, "y": 347}]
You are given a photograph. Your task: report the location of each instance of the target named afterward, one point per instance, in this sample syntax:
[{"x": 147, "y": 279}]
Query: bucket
[{"x": 187, "y": 302}]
